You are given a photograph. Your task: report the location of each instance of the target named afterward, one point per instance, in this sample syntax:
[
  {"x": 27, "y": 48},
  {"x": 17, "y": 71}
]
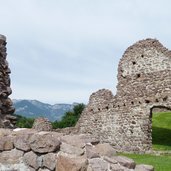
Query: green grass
[
  {"x": 161, "y": 131},
  {"x": 160, "y": 163}
]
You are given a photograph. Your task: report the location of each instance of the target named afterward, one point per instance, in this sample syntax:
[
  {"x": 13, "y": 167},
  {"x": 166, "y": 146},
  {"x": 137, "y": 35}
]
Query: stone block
[
  {"x": 49, "y": 161},
  {"x": 66, "y": 148},
  {"x": 33, "y": 160},
  {"x": 44, "y": 142},
  {"x": 144, "y": 167},
  {"x": 105, "y": 149},
  {"x": 67, "y": 162},
  {"x": 125, "y": 161},
  {"x": 22, "y": 142},
  {"x": 91, "y": 152},
  {"x": 11, "y": 157},
  {"x": 98, "y": 164},
  {"x": 6, "y": 143}
]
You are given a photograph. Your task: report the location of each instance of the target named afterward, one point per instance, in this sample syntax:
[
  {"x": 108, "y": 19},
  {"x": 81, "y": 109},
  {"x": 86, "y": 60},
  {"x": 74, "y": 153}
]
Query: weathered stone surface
[
  {"x": 144, "y": 84},
  {"x": 2, "y": 37},
  {"x": 14, "y": 167},
  {"x": 44, "y": 169},
  {"x": 98, "y": 164},
  {"x": 44, "y": 142},
  {"x": 31, "y": 169},
  {"x": 143, "y": 167},
  {"x": 49, "y": 161},
  {"x": 88, "y": 138},
  {"x": 125, "y": 161},
  {"x": 89, "y": 168},
  {"x": 11, "y": 157},
  {"x": 105, "y": 149},
  {"x": 6, "y": 143},
  {"x": 22, "y": 142},
  {"x": 91, "y": 151},
  {"x": 110, "y": 160},
  {"x": 66, "y": 148},
  {"x": 6, "y": 105},
  {"x": 74, "y": 140},
  {"x": 32, "y": 160},
  {"x": 118, "y": 167},
  {"x": 5, "y": 132},
  {"x": 22, "y": 131},
  {"x": 66, "y": 162},
  {"x": 79, "y": 140},
  {"x": 42, "y": 124}
]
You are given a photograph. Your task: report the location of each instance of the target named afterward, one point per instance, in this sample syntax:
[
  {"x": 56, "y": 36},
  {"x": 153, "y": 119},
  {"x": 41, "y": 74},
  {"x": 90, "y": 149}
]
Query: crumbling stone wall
[
  {"x": 144, "y": 83},
  {"x": 6, "y": 108}
]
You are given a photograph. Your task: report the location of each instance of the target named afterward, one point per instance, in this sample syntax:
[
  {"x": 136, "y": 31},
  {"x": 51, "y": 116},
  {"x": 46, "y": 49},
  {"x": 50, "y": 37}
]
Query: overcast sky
[{"x": 60, "y": 51}]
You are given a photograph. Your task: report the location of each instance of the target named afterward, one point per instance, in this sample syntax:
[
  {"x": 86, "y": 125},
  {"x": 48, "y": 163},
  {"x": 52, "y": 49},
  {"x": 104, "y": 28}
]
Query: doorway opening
[{"x": 161, "y": 127}]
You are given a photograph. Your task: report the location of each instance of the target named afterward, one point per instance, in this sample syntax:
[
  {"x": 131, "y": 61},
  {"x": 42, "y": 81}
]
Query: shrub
[
  {"x": 23, "y": 122},
  {"x": 70, "y": 118}
]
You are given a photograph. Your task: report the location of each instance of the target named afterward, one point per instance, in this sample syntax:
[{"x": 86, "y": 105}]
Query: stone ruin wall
[
  {"x": 6, "y": 108},
  {"x": 123, "y": 120},
  {"x": 144, "y": 83}
]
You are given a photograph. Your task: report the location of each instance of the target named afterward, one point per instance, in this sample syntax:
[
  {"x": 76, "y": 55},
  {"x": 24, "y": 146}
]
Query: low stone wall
[{"x": 30, "y": 150}]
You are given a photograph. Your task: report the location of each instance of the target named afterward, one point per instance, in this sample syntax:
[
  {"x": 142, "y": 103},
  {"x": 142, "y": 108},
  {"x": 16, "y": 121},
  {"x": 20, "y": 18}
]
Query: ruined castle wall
[
  {"x": 6, "y": 108},
  {"x": 144, "y": 82}
]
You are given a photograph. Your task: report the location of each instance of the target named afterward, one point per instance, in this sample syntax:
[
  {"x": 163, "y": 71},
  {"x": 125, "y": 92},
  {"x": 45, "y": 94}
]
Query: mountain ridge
[{"x": 35, "y": 108}]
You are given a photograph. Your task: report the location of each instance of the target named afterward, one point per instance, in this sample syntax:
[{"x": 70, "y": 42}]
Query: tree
[
  {"x": 23, "y": 122},
  {"x": 70, "y": 118}
]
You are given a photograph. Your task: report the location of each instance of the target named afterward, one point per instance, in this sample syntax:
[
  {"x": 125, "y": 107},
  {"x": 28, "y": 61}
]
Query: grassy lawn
[
  {"x": 160, "y": 163},
  {"x": 161, "y": 134}
]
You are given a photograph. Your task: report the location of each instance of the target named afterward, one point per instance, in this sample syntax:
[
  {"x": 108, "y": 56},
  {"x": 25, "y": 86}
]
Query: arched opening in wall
[{"x": 160, "y": 117}]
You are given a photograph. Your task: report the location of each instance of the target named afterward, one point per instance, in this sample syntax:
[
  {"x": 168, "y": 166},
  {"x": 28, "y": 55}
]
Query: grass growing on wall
[{"x": 161, "y": 131}]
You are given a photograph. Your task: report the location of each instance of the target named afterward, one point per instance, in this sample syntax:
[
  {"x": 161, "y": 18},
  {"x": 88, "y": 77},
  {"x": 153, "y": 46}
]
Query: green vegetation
[
  {"x": 23, "y": 122},
  {"x": 160, "y": 163},
  {"x": 161, "y": 131},
  {"x": 70, "y": 118}
]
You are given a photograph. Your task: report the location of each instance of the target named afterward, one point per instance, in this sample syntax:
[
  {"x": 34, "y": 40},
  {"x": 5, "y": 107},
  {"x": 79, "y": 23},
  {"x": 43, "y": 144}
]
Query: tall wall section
[
  {"x": 144, "y": 83},
  {"x": 6, "y": 108}
]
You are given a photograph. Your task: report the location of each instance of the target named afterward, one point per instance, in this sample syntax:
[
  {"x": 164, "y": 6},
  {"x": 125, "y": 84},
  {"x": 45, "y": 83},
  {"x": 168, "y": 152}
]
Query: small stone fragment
[
  {"x": 144, "y": 167},
  {"x": 125, "y": 161}
]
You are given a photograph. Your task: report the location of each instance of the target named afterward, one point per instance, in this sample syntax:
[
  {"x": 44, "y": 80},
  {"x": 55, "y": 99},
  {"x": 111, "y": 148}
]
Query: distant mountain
[{"x": 35, "y": 108}]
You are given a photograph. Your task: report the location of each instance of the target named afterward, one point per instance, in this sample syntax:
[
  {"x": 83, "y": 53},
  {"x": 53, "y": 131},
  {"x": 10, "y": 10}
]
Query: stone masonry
[
  {"x": 6, "y": 108},
  {"x": 42, "y": 124},
  {"x": 31, "y": 150},
  {"x": 144, "y": 84}
]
